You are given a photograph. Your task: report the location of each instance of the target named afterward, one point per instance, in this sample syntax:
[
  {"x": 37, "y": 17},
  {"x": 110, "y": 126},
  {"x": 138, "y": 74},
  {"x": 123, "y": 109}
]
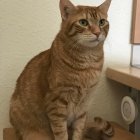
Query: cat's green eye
[
  {"x": 83, "y": 22},
  {"x": 102, "y": 22}
]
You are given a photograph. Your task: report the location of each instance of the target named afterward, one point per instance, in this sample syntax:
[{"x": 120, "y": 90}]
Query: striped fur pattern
[
  {"x": 99, "y": 129},
  {"x": 53, "y": 89}
]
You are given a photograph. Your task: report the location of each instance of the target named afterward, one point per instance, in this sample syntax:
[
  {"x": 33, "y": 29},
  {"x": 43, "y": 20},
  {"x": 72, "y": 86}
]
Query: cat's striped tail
[{"x": 98, "y": 129}]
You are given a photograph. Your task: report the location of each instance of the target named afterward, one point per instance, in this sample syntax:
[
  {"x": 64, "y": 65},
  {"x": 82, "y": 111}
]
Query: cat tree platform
[{"x": 120, "y": 134}]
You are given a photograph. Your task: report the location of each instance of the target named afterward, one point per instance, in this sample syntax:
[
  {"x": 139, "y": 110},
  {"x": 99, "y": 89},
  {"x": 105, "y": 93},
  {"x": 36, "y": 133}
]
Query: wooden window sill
[{"x": 129, "y": 76}]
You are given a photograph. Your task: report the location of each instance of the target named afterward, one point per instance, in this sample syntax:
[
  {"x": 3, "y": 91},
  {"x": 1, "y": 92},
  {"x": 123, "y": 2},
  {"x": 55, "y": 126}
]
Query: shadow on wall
[{"x": 107, "y": 100}]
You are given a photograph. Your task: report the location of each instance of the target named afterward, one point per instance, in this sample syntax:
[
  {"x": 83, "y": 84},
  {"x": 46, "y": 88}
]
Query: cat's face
[{"x": 87, "y": 26}]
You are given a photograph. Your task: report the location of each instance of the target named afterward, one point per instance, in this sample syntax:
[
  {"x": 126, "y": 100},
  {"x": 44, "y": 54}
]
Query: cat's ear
[
  {"x": 66, "y": 8},
  {"x": 105, "y": 6}
]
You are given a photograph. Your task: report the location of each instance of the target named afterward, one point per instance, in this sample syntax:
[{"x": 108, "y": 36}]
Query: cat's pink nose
[
  {"x": 97, "y": 33},
  {"x": 95, "y": 30}
]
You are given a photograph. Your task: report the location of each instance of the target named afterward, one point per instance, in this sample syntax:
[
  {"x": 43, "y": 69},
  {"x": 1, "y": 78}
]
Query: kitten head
[{"x": 87, "y": 26}]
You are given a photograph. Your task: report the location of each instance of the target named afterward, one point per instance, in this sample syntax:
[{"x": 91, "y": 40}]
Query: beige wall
[{"x": 28, "y": 27}]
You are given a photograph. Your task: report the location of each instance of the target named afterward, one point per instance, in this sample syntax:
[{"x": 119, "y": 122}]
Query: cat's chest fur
[
  {"x": 84, "y": 79},
  {"x": 88, "y": 78},
  {"x": 74, "y": 71}
]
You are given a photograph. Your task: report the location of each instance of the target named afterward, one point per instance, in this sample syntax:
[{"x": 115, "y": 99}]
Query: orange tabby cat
[{"x": 53, "y": 88}]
